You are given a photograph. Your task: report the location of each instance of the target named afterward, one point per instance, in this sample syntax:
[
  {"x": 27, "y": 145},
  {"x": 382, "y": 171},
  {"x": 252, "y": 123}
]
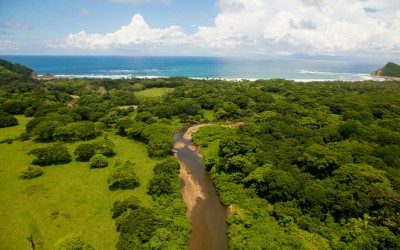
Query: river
[{"x": 207, "y": 214}]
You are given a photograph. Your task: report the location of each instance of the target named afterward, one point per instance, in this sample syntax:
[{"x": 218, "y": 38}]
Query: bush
[
  {"x": 160, "y": 146},
  {"x": 7, "y": 120},
  {"x": 51, "y": 155},
  {"x": 160, "y": 185},
  {"x": 123, "y": 176},
  {"x": 76, "y": 131},
  {"x": 106, "y": 148},
  {"x": 72, "y": 242},
  {"x": 140, "y": 222},
  {"x": 167, "y": 167},
  {"x": 165, "y": 179},
  {"x": 44, "y": 131},
  {"x": 31, "y": 172},
  {"x": 120, "y": 207},
  {"x": 98, "y": 161},
  {"x": 85, "y": 151}
]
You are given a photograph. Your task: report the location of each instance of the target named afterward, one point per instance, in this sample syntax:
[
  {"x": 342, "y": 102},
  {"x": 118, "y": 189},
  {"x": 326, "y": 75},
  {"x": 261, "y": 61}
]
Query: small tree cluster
[
  {"x": 123, "y": 176},
  {"x": 165, "y": 179},
  {"x": 98, "y": 161},
  {"x": 31, "y": 172},
  {"x": 51, "y": 155},
  {"x": 157, "y": 135},
  {"x": 72, "y": 242},
  {"x": 7, "y": 120},
  {"x": 79, "y": 131},
  {"x": 120, "y": 207},
  {"x": 85, "y": 151}
]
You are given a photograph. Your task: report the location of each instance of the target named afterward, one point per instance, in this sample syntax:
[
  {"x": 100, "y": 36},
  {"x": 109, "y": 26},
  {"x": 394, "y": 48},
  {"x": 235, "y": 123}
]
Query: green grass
[
  {"x": 153, "y": 93},
  {"x": 15, "y": 131},
  {"x": 67, "y": 199}
]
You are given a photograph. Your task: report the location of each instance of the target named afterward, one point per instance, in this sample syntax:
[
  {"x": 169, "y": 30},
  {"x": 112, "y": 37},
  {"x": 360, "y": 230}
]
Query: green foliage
[
  {"x": 76, "y": 132},
  {"x": 72, "y": 242},
  {"x": 44, "y": 131},
  {"x": 98, "y": 161},
  {"x": 165, "y": 179},
  {"x": 390, "y": 69},
  {"x": 85, "y": 151},
  {"x": 123, "y": 176},
  {"x": 120, "y": 207},
  {"x": 160, "y": 147},
  {"x": 7, "y": 120},
  {"x": 9, "y": 71},
  {"x": 51, "y": 155},
  {"x": 31, "y": 172},
  {"x": 140, "y": 222}
]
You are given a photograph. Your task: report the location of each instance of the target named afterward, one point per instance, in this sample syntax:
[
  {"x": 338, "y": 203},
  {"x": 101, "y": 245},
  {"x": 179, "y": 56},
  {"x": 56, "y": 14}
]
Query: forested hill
[
  {"x": 389, "y": 70},
  {"x": 10, "y": 71}
]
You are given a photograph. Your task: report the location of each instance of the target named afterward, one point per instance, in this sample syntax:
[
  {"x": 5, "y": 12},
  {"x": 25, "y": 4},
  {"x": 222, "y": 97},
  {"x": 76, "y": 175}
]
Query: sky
[{"x": 201, "y": 27}]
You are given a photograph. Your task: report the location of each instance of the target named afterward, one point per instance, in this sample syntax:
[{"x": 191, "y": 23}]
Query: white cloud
[{"x": 268, "y": 26}]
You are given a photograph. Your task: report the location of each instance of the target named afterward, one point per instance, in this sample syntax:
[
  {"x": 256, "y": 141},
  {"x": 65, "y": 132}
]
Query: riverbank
[{"x": 207, "y": 214}]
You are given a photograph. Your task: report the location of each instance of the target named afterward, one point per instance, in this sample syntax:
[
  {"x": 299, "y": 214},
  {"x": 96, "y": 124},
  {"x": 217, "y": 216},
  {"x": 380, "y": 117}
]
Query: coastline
[{"x": 363, "y": 77}]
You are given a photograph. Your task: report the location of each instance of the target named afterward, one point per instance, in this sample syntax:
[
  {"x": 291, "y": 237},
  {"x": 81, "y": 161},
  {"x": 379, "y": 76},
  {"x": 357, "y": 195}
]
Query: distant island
[{"x": 391, "y": 69}]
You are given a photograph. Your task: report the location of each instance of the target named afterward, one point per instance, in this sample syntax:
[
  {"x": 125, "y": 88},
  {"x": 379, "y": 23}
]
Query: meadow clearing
[{"x": 69, "y": 198}]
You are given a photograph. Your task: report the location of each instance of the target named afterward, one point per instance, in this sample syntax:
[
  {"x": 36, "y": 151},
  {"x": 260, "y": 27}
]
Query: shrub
[
  {"x": 98, "y": 161},
  {"x": 140, "y": 222},
  {"x": 160, "y": 185},
  {"x": 123, "y": 176},
  {"x": 76, "y": 131},
  {"x": 160, "y": 146},
  {"x": 72, "y": 242},
  {"x": 120, "y": 207},
  {"x": 44, "y": 131},
  {"x": 167, "y": 167},
  {"x": 106, "y": 148},
  {"x": 165, "y": 179},
  {"x": 7, "y": 120},
  {"x": 31, "y": 172},
  {"x": 85, "y": 151},
  {"x": 51, "y": 155}
]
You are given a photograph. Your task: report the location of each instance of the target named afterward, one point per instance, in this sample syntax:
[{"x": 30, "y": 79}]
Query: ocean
[{"x": 197, "y": 67}]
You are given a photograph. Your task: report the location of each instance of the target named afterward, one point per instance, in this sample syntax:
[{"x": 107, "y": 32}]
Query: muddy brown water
[{"x": 208, "y": 216}]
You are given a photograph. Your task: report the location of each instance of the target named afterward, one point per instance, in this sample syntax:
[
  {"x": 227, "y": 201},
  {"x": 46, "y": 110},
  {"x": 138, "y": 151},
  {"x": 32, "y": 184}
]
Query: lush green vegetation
[
  {"x": 299, "y": 166},
  {"x": 315, "y": 166},
  {"x": 72, "y": 127},
  {"x": 11, "y": 71}
]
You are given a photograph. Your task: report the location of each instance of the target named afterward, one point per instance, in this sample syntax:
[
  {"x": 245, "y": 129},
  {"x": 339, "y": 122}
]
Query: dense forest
[{"x": 304, "y": 165}]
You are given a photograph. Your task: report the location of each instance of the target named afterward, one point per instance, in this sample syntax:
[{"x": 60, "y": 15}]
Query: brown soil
[
  {"x": 194, "y": 129},
  {"x": 191, "y": 190}
]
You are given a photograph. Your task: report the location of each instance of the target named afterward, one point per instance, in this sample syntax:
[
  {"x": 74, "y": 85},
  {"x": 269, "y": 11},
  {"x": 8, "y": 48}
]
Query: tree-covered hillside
[
  {"x": 10, "y": 71},
  {"x": 390, "y": 70}
]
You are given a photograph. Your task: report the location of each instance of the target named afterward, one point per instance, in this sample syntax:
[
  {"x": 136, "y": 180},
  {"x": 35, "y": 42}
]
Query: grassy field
[
  {"x": 67, "y": 199},
  {"x": 153, "y": 93}
]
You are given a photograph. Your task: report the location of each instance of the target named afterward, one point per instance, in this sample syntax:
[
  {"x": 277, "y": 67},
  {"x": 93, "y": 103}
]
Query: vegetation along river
[{"x": 205, "y": 210}]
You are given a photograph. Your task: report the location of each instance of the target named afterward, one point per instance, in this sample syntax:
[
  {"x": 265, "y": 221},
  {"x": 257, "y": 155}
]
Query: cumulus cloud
[{"x": 268, "y": 26}]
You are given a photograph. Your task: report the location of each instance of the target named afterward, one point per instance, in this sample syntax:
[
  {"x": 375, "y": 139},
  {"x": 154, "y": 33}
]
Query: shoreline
[{"x": 365, "y": 77}]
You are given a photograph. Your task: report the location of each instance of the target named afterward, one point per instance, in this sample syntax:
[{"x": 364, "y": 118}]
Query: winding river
[{"x": 207, "y": 214}]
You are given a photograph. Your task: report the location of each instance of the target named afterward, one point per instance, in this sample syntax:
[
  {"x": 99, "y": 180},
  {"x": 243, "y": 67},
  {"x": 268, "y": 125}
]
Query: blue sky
[
  {"x": 57, "y": 18},
  {"x": 201, "y": 27}
]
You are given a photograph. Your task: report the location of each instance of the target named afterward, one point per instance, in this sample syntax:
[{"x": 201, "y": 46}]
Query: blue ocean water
[{"x": 197, "y": 67}]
